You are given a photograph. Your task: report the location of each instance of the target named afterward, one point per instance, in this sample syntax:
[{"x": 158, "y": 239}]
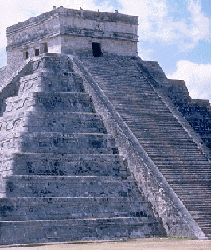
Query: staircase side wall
[
  {"x": 3, "y": 72},
  {"x": 196, "y": 112}
]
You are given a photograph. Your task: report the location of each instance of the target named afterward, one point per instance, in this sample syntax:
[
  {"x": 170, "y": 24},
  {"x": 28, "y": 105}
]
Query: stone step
[
  {"x": 205, "y": 225},
  {"x": 182, "y": 177},
  {"x": 43, "y": 82},
  {"x": 23, "y": 232},
  {"x": 156, "y": 153},
  {"x": 187, "y": 178},
  {"x": 65, "y": 164},
  {"x": 187, "y": 169},
  {"x": 195, "y": 185},
  {"x": 182, "y": 144},
  {"x": 165, "y": 154},
  {"x": 206, "y": 231},
  {"x": 50, "y": 102},
  {"x": 200, "y": 191},
  {"x": 66, "y": 122},
  {"x": 146, "y": 138},
  {"x": 187, "y": 196},
  {"x": 202, "y": 210},
  {"x": 192, "y": 174},
  {"x": 194, "y": 204},
  {"x": 68, "y": 186},
  {"x": 133, "y": 106},
  {"x": 197, "y": 200},
  {"x": 172, "y": 159},
  {"x": 191, "y": 177},
  {"x": 55, "y": 142},
  {"x": 125, "y": 87},
  {"x": 204, "y": 164},
  {"x": 180, "y": 155},
  {"x": 150, "y": 97},
  {"x": 159, "y": 128},
  {"x": 201, "y": 216},
  {"x": 16, "y": 209},
  {"x": 175, "y": 150},
  {"x": 208, "y": 236},
  {"x": 149, "y": 118},
  {"x": 169, "y": 166}
]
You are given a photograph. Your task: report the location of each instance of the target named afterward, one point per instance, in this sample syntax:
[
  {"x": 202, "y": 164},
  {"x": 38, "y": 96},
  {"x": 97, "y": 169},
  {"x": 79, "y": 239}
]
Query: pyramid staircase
[
  {"x": 196, "y": 111},
  {"x": 62, "y": 178},
  {"x": 166, "y": 142}
]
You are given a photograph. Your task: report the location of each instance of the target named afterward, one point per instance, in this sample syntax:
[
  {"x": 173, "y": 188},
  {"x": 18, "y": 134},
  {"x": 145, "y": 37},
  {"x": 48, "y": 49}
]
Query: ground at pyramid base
[{"x": 132, "y": 244}]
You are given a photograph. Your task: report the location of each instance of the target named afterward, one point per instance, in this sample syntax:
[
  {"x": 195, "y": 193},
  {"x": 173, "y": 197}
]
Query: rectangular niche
[
  {"x": 44, "y": 48},
  {"x": 96, "y": 50},
  {"x": 25, "y": 55},
  {"x": 37, "y": 52}
]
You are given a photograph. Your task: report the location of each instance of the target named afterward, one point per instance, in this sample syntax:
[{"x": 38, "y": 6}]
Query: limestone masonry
[
  {"x": 71, "y": 31},
  {"x": 95, "y": 143}
]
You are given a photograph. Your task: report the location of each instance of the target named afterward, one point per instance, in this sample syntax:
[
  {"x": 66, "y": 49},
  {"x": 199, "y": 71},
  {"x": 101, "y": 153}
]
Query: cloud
[
  {"x": 197, "y": 78},
  {"x": 161, "y": 22},
  {"x": 156, "y": 18}
]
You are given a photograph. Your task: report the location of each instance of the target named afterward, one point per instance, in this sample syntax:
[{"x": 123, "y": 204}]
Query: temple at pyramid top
[{"x": 71, "y": 31}]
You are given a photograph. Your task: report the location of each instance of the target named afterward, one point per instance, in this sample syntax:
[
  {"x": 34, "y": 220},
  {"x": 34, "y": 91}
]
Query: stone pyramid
[
  {"x": 95, "y": 143},
  {"x": 62, "y": 178}
]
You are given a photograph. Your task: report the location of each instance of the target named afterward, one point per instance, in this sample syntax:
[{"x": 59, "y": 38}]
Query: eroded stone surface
[{"x": 61, "y": 171}]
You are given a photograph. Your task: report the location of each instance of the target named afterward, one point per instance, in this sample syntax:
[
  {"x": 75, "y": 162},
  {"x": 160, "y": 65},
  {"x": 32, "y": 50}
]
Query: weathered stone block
[{"x": 65, "y": 164}]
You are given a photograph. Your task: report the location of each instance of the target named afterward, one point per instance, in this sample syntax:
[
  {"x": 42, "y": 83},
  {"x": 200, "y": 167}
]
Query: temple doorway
[{"x": 96, "y": 50}]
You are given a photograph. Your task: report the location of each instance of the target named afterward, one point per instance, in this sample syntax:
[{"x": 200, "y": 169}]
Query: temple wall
[
  {"x": 74, "y": 45},
  {"x": 25, "y": 36},
  {"x": 97, "y": 28},
  {"x": 15, "y": 58},
  {"x": 71, "y": 32}
]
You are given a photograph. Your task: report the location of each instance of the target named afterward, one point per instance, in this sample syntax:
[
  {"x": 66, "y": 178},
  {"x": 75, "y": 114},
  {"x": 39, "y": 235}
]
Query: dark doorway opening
[
  {"x": 37, "y": 52},
  {"x": 26, "y": 55},
  {"x": 96, "y": 50}
]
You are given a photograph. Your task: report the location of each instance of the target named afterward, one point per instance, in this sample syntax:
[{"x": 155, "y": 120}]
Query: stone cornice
[
  {"x": 33, "y": 21},
  {"x": 100, "y": 34},
  {"x": 77, "y": 33},
  {"x": 29, "y": 41},
  {"x": 84, "y": 14}
]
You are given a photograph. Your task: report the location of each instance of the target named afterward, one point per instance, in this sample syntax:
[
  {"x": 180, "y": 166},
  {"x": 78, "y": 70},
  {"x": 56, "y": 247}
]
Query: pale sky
[{"x": 176, "y": 33}]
